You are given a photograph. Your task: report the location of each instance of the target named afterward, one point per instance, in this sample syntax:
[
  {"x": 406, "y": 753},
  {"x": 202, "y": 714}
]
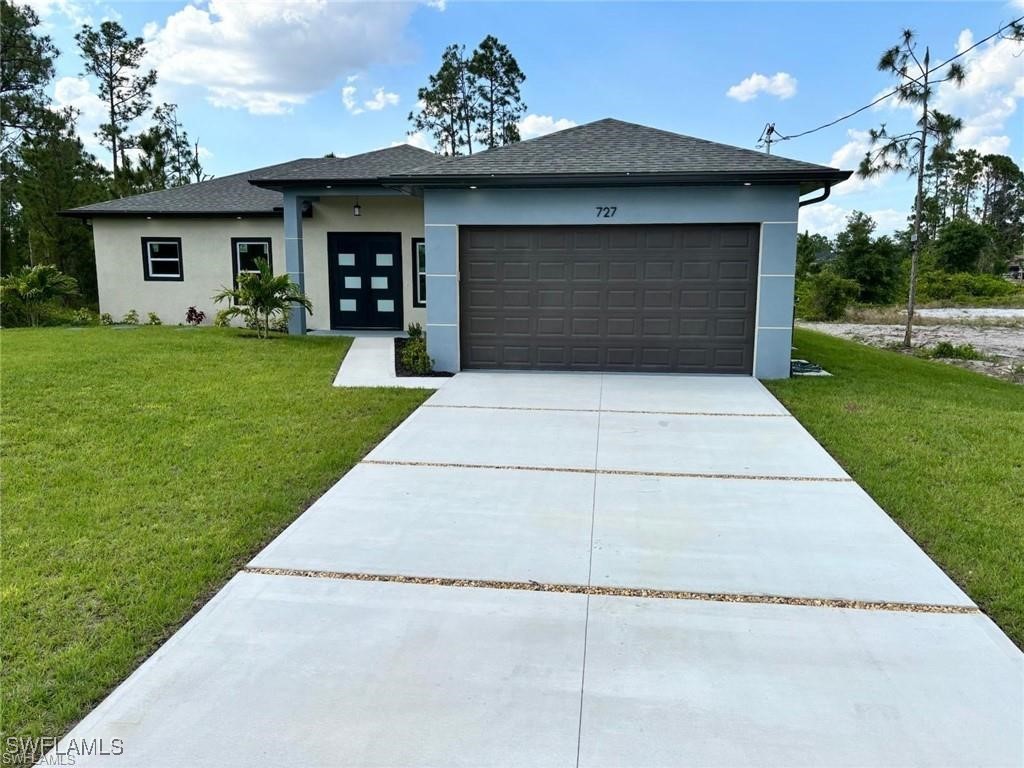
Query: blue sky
[{"x": 260, "y": 83}]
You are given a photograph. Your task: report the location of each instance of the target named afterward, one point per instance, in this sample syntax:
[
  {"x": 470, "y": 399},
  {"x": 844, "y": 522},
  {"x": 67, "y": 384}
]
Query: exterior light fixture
[
  {"x": 472, "y": 186},
  {"x": 746, "y": 183},
  {"x": 329, "y": 186},
  {"x": 238, "y": 217},
  {"x": 357, "y": 209}
]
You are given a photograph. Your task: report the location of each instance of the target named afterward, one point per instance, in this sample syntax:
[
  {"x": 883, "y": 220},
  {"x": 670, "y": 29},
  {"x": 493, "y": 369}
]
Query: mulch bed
[{"x": 401, "y": 370}]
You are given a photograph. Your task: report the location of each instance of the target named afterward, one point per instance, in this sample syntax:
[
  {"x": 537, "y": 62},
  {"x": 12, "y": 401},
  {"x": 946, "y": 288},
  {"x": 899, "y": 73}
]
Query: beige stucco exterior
[{"x": 206, "y": 256}]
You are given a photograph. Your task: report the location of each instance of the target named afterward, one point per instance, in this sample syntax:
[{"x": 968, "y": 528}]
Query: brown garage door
[{"x": 613, "y": 298}]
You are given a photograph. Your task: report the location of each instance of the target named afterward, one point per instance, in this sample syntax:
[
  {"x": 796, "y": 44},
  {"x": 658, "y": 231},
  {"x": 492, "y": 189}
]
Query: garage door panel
[{"x": 654, "y": 298}]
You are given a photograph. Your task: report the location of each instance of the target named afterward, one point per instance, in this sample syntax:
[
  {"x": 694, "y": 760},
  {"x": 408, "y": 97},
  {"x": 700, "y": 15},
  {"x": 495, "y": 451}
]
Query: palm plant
[
  {"x": 35, "y": 288},
  {"x": 261, "y": 297}
]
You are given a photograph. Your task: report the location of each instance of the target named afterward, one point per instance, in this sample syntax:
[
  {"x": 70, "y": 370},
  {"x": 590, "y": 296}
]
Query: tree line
[{"x": 45, "y": 168}]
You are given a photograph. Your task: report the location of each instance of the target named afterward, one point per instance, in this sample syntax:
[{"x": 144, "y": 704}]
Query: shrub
[
  {"x": 956, "y": 351},
  {"x": 35, "y": 291},
  {"x": 194, "y": 316},
  {"x": 415, "y": 331},
  {"x": 222, "y": 319},
  {"x": 131, "y": 317},
  {"x": 961, "y": 286},
  {"x": 263, "y": 299},
  {"x": 84, "y": 316},
  {"x": 106, "y": 319},
  {"x": 825, "y": 296},
  {"x": 152, "y": 318},
  {"x": 415, "y": 357}
]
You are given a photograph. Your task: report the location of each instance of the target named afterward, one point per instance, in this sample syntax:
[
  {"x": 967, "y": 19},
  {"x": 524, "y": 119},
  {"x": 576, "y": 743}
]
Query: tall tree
[
  {"x": 26, "y": 68},
  {"x": 812, "y": 251},
  {"x": 114, "y": 59},
  {"x": 166, "y": 155},
  {"x": 916, "y": 81},
  {"x": 54, "y": 174},
  {"x": 498, "y": 79},
  {"x": 872, "y": 263},
  {"x": 443, "y": 111}
]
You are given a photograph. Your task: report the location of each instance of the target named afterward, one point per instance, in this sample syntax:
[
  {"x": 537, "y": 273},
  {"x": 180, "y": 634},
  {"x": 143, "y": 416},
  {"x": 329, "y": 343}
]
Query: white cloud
[
  {"x": 417, "y": 139},
  {"x": 348, "y": 98},
  {"x": 781, "y": 84},
  {"x": 533, "y": 126},
  {"x": 72, "y": 11},
  {"x": 829, "y": 219},
  {"x": 381, "y": 100},
  {"x": 848, "y": 157},
  {"x": 268, "y": 58}
]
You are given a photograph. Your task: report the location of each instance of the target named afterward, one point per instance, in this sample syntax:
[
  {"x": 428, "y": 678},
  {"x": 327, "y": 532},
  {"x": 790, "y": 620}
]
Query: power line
[{"x": 893, "y": 92}]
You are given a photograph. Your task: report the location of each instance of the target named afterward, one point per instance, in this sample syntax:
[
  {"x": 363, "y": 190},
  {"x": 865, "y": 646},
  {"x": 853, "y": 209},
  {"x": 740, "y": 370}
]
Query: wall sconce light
[{"x": 357, "y": 209}]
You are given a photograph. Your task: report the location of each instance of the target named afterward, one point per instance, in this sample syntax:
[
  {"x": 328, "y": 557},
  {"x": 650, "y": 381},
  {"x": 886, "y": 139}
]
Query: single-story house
[{"x": 608, "y": 246}]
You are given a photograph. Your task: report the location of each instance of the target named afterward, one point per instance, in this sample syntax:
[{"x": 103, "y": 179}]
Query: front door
[{"x": 365, "y": 271}]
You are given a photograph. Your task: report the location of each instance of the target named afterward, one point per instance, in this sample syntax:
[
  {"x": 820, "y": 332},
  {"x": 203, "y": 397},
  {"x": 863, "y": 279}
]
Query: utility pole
[{"x": 767, "y": 137}]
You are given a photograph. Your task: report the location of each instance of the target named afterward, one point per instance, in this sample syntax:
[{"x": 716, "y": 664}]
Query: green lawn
[
  {"x": 939, "y": 448},
  {"x": 141, "y": 468}
]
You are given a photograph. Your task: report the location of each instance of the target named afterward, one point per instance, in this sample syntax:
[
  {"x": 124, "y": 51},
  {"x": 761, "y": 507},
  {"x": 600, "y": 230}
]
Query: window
[
  {"x": 161, "y": 258},
  {"x": 419, "y": 272},
  {"x": 246, "y": 253}
]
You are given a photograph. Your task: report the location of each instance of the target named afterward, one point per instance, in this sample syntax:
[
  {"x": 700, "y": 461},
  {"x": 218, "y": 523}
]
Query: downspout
[{"x": 824, "y": 196}]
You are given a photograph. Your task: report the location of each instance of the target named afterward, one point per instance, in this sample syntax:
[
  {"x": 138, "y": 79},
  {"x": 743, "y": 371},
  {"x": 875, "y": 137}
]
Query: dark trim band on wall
[
  {"x": 419, "y": 298},
  {"x": 147, "y": 275}
]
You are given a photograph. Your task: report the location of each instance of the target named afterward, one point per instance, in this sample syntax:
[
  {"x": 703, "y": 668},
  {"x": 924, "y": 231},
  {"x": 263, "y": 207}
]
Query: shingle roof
[
  {"x": 369, "y": 166},
  {"x": 615, "y": 148},
  {"x": 236, "y": 195}
]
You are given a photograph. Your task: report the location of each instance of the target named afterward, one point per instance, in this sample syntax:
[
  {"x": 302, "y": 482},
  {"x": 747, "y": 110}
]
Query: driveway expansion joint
[
  {"x": 638, "y": 592},
  {"x": 626, "y": 472},
  {"x": 607, "y": 410}
]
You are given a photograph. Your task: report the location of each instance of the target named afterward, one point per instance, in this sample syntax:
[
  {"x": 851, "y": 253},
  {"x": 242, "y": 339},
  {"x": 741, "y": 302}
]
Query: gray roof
[
  {"x": 608, "y": 147},
  {"x": 236, "y": 195},
  {"x": 369, "y": 166}
]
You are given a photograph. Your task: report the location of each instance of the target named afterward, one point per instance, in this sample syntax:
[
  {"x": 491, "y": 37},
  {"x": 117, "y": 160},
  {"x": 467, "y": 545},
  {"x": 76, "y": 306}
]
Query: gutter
[{"x": 821, "y": 198}]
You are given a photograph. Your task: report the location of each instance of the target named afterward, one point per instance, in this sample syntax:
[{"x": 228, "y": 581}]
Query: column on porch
[{"x": 294, "y": 265}]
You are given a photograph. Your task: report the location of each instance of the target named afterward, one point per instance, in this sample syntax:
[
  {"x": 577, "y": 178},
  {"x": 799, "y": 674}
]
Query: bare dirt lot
[{"x": 999, "y": 339}]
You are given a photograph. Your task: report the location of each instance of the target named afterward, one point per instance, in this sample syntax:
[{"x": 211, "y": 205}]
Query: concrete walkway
[
  {"x": 583, "y": 570},
  {"x": 370, "y": 362}
]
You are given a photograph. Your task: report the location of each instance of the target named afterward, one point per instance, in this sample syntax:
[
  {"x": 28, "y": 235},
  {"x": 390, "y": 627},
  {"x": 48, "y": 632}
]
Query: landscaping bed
[
  {"x": 140, "y": 471},
  {"x": 401, "y": 369},
  {"x": 939, "y": 448}
]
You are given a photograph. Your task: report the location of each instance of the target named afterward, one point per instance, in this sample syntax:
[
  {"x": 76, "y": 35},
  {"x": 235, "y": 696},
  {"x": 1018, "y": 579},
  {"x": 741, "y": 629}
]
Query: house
[{"x": 608, "y": 246}]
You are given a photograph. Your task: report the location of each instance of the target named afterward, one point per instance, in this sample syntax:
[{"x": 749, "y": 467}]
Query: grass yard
[
  {"x": 141, "y": 468},
  {"x": 941, "y": 449}
]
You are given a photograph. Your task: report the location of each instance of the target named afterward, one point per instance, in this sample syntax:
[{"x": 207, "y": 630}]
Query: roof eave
[
  {"x": 279, "y": 185},
  {"x": 77, "y": 213},
  {"x": 816, "y": 178}
]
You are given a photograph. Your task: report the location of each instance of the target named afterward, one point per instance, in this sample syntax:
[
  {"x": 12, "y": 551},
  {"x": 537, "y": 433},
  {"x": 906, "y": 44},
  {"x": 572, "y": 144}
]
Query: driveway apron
[{"x": 583, "y": 570}]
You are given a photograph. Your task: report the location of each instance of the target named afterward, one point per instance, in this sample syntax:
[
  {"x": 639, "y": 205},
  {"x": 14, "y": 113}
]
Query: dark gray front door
[
  {"x": 365, "y": 270},
  {"x": 665, "y": 298}
]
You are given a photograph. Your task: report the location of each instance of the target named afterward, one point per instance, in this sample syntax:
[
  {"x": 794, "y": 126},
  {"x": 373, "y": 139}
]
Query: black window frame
[
  {"x": 236, "y": 241},
  {"x": 148, "y": 275},
  {"x": 419, "y": 296}
]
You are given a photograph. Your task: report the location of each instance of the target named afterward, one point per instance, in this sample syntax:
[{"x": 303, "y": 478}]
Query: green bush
[
  {"x": 222, "y": 319},
  {"x": 131, "y": 317},
  {"x": 825, "y": 296},
  {"x": 415, "y": 331},
  {"x": 956, "y": 351},
  {"x": 961, "y": 286},
  {"x": 152, "y": 318},
  {"x": 106, "y": 319},
  {"x": 84, "y": 316},
  {"x": 415, "y": 357}
]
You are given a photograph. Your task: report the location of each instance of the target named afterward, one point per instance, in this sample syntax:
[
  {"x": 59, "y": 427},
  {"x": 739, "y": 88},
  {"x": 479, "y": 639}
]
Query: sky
[{"x": 258, "y": 83}]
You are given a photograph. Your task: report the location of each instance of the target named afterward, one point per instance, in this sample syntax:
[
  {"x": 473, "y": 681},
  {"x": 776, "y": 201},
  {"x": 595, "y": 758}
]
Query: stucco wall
[
  {"x": 206, "y": 263},
  {"x": 774, "y": 207},
  {"x": 379, "y": 214},
  {"x": 206, "y": 256}
]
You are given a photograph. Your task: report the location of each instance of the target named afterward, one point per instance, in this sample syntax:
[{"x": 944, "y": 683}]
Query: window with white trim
[
  {"x": 161, "y": 258},
  {"x": 419, "y": 272}
]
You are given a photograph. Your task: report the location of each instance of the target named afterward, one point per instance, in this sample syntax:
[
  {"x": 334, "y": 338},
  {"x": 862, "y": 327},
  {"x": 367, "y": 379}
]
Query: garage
[{"x": 653, "y": 298}]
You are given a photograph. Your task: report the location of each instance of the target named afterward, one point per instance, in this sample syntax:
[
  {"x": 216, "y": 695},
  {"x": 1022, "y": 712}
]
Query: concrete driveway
[{"x": 593, "y": 570}]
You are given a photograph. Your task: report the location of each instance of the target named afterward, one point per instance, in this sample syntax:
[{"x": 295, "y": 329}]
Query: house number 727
[{"x": 606, "y": 211}]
